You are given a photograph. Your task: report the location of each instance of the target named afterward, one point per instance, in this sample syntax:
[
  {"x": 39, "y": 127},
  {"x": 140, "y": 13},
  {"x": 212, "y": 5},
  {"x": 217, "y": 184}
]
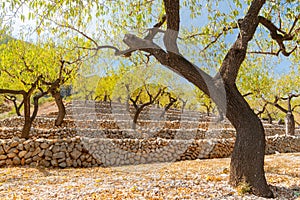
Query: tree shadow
[{"x": 281, "y": 192}]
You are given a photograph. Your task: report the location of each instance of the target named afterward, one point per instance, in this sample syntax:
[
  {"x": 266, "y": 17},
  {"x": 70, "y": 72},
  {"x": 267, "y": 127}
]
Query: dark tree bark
[
  {"x": 26, "y": 99},
  {"x": 61, "y": 107},
  {"x": 247, "y": 161},
  {"x": 137, "y": 114},
  {"x": 289, "y": 117},
  {"x": 172, "y": 100},
  {"x": 270, "y": 119},
  {"x": 27, "y": 121},
  {"x": 36, "y": 99},
  {"x": 16, "y": 106},
  {"x": 208, "y": 108},
  {"x": 140, "y": 108},
  {"x": 184, "y": 102},
  {"x": 289, "y": 124}
]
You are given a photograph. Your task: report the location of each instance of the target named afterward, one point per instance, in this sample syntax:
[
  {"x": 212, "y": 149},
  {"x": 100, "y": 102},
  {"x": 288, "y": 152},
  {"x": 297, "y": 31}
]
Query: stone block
[
  {"x": 16, "y": 161},
  {"x": 48, "y": 153},
  {"x": 11, "y": 155},
  {"x": 59, "y": 155},
  {"x": 2, "y": 162},
  {"x": 14, "y": 144},
  {"x": 75, "y": 154},
  {"x": 3, "y": 157},
  {"x": 36, "y": 151},
  {"x": 22, "y": 154},
  {"x": 54, "y": 163},
  {"x": 20, "y": 147},
  {"x": 44, "y": 145},
  {"x": 1, "y": 150},
  {"x": 62, "y": 165}
]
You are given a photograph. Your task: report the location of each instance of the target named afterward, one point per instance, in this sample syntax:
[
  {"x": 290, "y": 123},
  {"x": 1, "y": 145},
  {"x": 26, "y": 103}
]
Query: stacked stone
[
  {"x": 274, "y": 131},
  {"x": 12, "y": 122},
  {"x": 282, "y": 144},
  {"x": 222, "y": 148},
  {"x": 44, "y": 152},
  {"x": 159, "y": 132},
  {"x": 220, "y": 133},
  {"x": 53, "y": 133},
  {"x": 88, "y": 152}
]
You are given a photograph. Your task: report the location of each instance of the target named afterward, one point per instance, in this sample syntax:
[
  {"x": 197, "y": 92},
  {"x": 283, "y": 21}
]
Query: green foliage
[
  {"x": 84, "y": 88},
  {"x": 23, "y": 63},
  {"x": 208, "y": 33},
  {"x": 243, "y": 188},
  {"x": 105, "y": 87}
]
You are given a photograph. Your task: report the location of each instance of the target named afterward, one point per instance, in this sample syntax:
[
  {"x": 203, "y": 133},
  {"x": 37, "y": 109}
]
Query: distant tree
[
  {"x": 250, "y": 21},
  {"x": 105, "y": 87},
  {"x": 84, "y": 87},
  {"x": 289, "y": 116},
  {"x": 142, "y": 97},
  {"x": 32, "y": 71}
]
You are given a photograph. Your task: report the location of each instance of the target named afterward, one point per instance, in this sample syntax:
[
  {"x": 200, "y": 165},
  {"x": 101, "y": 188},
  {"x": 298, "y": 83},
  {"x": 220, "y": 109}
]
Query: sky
[{"x": 225, "y": 6}]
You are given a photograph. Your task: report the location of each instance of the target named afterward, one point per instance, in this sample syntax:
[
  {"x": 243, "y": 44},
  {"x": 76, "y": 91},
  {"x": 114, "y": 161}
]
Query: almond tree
[
  {"x": 250, "y": 20},
  {"x": 33, "y": 72},
  {"x": 143, "y": 97}
]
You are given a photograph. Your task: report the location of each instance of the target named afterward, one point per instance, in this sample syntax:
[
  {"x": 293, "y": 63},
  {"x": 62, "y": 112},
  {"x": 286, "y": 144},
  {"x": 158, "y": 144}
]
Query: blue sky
[{"x": 225, "y": 6}]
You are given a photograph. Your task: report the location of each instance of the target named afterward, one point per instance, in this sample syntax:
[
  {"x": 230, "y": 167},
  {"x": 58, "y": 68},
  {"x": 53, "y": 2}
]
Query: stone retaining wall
[
  {"x": 88, "y": 152},
  {"x": 182, "y": 134},
  {"x": 48, "y": 123}
]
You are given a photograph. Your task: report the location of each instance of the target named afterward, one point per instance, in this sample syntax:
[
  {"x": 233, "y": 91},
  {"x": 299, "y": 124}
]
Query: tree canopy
[{"x": 215, "y": 45}]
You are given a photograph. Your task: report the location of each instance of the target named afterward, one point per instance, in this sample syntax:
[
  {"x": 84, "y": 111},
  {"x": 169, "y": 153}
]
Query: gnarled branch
[{"x": 279, "y": 38}]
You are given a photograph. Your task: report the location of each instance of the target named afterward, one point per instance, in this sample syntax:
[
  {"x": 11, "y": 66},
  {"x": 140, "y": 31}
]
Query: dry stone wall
[
  {"x": 104, "y": 138},
  {"x": 89, "y": 152}
]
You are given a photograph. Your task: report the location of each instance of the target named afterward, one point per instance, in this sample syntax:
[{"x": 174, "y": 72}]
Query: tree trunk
[
  {"x": 136, "y": 115},
  {"x": 183, "y": 105},
  {"x": 289, "y": 124},
  {"x": 247, "y": 160},
  {"x": 170, "y": 104},
  {"x": 28, "y": 121},
  {"x": 221, "y": 115},
  {"x": 270, "y": 119},
  {"x": 14, "y": 100},
  {"x": 18, "y": 108},
  {"x": 61, "y": 108}
]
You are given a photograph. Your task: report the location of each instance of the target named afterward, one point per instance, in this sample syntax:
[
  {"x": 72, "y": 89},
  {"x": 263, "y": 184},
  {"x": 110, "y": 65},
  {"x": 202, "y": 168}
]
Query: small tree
[
  {"x": 33, "y": 71},
  {"x": 250, "y": 23},
  {"x": 142, "y": 97},
  {"x": 289, "y": 116}
]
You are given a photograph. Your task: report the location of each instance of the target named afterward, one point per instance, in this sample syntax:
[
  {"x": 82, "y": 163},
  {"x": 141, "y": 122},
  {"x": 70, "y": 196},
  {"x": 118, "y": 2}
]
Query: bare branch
[
  {"x": 279, "y": 38},
  {"x": 225, "y": 29},
  {"x": 153, "y": 31},
  {"x": 294, "y": 108},
  {"x": 78, "y": 31},
  {"x": 294, "y": 24},
  {"x": 237, "y": 53},
  {"x": 264, "y": 53},
  {"x": 247, "y": 94},
  {"x": 8, "y": 91},
  {"x": 275, "y": 103}
]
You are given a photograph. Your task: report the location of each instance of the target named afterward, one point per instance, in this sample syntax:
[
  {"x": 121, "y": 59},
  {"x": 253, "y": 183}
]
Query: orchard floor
[{"x": 198, "y": 179}]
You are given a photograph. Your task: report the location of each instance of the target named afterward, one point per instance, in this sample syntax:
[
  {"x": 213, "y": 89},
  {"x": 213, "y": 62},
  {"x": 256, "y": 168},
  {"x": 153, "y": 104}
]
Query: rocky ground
[{"x": 198, "y": 179}]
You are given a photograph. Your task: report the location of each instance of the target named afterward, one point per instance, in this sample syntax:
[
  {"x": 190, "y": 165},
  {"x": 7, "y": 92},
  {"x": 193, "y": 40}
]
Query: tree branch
[
  {"x": 153, "y": 31},
  {"x": 236, "y": 54},
  {"x": 279, "y": 38},
  {"x": 173, "y": 21},
  {"x": 8, "y": 91}
]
